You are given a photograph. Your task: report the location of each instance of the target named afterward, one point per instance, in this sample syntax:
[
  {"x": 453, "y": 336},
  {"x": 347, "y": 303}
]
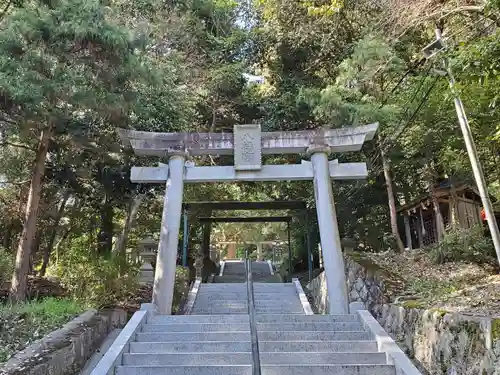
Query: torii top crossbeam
[{"x": 282, "y": 142}]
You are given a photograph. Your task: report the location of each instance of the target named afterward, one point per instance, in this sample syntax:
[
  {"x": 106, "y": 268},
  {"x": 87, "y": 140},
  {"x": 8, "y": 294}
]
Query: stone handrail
[{"x": 106, "y": 365}]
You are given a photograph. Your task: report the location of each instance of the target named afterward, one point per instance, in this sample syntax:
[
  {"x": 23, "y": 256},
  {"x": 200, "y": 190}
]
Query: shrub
[
  {"x": 181, "y": 288},
  {"x": 469, "y": 245},
  {"x": 6, "y": 266},
  {"x": 93, "y": 280}
]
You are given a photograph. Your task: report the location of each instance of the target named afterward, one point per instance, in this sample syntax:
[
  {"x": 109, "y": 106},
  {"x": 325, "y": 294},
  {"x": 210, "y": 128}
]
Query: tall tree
[{"x": 70, "y": 71}]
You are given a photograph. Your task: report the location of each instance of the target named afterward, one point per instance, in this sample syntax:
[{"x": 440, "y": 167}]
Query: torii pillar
[
  {"x": 163, "y": 291},
  {"x": 329, "y": 232}
]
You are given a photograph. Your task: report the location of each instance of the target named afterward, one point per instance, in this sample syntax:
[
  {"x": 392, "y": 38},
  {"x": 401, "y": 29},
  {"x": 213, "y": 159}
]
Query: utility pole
[{"x": 477, "y": 170}]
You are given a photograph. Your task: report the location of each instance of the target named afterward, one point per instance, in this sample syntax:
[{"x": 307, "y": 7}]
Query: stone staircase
[{"x": 217, "y": 338}]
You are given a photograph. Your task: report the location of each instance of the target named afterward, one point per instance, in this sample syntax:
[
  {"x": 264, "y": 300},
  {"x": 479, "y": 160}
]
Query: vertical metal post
[
  {"x": 185, "y": 238},
  {"x": 289, "y": 252}
]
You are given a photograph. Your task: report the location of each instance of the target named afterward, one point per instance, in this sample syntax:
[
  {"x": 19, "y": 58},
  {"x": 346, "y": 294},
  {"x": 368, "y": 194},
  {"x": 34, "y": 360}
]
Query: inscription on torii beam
[{"x": 247, "y": 148}]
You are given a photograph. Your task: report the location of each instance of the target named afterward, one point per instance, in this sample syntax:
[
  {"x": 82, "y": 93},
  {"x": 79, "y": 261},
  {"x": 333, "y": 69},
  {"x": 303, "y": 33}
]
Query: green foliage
[
  {"x": 469, "y": 245},
  {"x": 495, "y": 329},
  {"x": 22, "y": 324},
  {"x": 6, "y": 266},
  {"x": 94, "y": 281},
  {"x": 181, "y": 288}
]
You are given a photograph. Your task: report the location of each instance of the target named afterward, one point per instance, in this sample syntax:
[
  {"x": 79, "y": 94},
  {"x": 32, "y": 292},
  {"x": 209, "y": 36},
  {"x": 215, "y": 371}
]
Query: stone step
[
  {"x": 328, "y": 370},
  {"x": 240, "y": 304},
  {"x": 312, "y": 336},
  {"x": 241, "y": 285},
  {"x": 266, "y": 370},
  {"x": 226, "y": 319},
  {"x": 275, "y": 292},
  {"x": 192, "y": 359},
  {"x": 215, "y": 311},
  {"x": 273, "y": 287},
  {"x": 310, "y": 326},
  {"x": 239, "y": 289},
  {"x": 280, "y": 309},
  {"x": 266, "y": 311},
  {"x": 191, "y": 336},
  {"x": 226, "y": 289},
  {"x": 196, "y": 327},
  {"x": 229, "y": 279},
  {"x": 221, "y": 296},
  {"x": 185, "y": 370},
  {"x": 293, "y": 300},
  {"x": 278, "y": 303},
  {"x": 284, "y": 295},
  {"x": 318, "y": 346},
  {"x": 191, "y": 347},
  {"x": 308, "y": 358},
  {"x": 280, "y": 312},
  {"x": 221, "y": 304},
  {"x": 277, "y": 318}
]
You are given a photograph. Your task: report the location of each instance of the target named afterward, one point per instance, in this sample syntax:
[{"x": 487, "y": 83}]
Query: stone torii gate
[{"x": 247, "y": 143}]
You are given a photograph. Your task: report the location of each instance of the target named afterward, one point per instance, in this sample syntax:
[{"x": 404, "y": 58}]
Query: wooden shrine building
[{"x": 459, "y": 204}]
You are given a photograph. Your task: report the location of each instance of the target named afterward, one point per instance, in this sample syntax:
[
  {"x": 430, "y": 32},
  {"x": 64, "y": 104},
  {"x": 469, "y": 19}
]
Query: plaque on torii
[{"x": 247, "y": 143}]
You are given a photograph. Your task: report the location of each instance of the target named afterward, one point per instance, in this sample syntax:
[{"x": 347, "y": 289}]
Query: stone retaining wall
[
  {"x": 66, "y": 350},
  {"x": 441, "y": 343}
]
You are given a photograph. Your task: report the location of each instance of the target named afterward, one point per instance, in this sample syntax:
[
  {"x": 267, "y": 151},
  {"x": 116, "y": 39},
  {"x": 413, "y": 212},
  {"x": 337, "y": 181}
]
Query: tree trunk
[
  {"x": 133, "y": 209},
  {"x": 52, "y": 239},
  {"x": 35, "y": 246},
  {"x": 20, "y": 275},
  {"x": 392, "y": 202}
]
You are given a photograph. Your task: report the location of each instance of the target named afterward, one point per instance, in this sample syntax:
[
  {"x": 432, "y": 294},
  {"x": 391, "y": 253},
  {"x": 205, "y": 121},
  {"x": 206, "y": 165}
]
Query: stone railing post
[{"x": 329, "y": 232}]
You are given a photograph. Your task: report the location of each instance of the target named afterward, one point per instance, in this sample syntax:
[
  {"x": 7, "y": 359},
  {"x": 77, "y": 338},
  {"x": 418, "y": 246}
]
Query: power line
[
  {"x": 422, "y": 102},
  {"x": 411, "y": 69},
  {"x": 411, "y": 118}
]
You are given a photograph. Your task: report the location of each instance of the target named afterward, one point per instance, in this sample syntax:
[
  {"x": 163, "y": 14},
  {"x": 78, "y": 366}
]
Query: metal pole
[
  {"x": 185, "y": 236},
  {"x": 289, "y": 252},
  {"x": 474, "y": 159}
]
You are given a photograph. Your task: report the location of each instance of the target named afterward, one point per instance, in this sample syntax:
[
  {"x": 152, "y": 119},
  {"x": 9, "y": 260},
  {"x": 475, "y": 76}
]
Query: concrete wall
[
  {"x": 441, "y": 343},
  {"x": 65, "y": 351}
]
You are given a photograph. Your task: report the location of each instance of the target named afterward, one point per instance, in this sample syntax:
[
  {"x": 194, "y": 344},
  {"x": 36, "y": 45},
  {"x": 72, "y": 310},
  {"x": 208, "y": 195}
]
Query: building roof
[{"x": 443, "y": 189}]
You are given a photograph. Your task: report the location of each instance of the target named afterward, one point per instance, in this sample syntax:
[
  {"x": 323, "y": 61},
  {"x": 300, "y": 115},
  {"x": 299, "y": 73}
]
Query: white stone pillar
[
  {"x": 329, "y": 231},
  {"x": 163, "y": 289}
]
